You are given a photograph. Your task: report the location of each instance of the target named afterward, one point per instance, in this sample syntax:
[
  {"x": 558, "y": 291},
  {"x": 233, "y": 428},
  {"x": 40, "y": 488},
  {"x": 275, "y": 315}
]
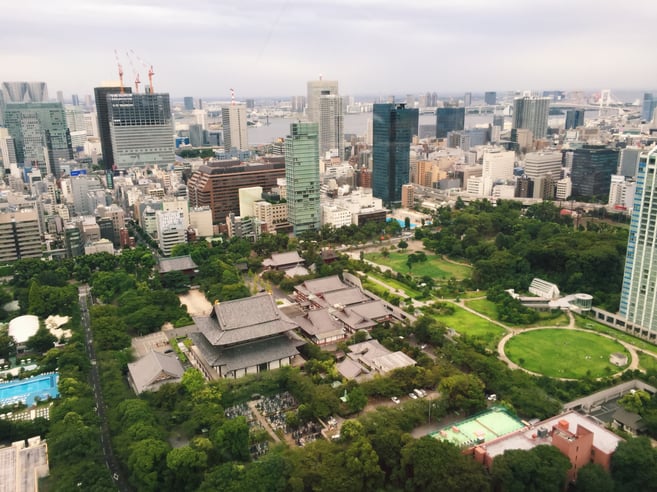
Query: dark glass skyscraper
[
  {"x": 593, "y": 166},
  {"x": 490, "y": 97},
  {"x": 449, "y": 120},
  {"x": 102, "y": 110},
  {"x": 393, "y": 128},
  {"x": 574, "y": 118}
]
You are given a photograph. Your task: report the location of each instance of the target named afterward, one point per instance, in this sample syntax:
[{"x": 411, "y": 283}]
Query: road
[{"x": 94, "y": 378}]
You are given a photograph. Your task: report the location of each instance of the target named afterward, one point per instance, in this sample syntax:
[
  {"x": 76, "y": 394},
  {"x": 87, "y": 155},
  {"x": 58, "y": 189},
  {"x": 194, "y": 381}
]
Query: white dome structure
[{"x": 23, "y": 327}]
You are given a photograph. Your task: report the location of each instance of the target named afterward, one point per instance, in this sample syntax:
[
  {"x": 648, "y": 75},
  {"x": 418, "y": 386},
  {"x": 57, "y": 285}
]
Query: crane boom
[
  {"x": 151, "y": 72},
  {"x": 120, "y": 67}
]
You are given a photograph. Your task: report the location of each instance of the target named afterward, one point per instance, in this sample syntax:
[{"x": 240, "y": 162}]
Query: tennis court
[{"x": 482, "y": 427}]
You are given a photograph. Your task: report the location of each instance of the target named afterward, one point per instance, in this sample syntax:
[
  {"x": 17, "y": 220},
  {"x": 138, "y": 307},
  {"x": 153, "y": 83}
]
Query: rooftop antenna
[{"x": 232, "y": 97}]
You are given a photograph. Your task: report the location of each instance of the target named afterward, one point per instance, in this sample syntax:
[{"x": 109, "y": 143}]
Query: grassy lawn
[
  {"x": 546, "y": 318},
  {"x": 483, "y": 306},
  {"x": 590, "y": 324},
  {"x": 647, "y": 362},
  {"x": 434, "y": 267},
  {"x": 563, "y": 353},
  {"x": 472, "y": 325},
  {"x": 396, "y": 285}
]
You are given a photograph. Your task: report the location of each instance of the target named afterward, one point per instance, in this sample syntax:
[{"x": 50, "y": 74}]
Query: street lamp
[{"x": 431, "y": 404}]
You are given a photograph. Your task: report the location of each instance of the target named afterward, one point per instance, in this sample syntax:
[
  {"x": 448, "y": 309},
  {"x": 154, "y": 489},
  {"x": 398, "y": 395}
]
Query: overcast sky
[{"x": 272, "y": 47}]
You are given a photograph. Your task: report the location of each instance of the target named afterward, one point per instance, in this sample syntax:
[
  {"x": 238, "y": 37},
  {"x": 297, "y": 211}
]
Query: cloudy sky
[{"x": 272, "y": 47}]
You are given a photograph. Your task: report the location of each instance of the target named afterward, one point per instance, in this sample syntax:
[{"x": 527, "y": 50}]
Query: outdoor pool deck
[
  {"x": 482, "y": 427},
  {"x": 26, "y": 391}
]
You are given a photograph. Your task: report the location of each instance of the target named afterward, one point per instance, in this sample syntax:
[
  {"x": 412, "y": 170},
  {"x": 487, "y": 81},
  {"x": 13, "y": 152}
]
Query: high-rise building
[
  {"x": 171, "y": 230},
  {"x": 40, "y": 134},
  {"x": 331, "y": 125},
  {"x": 490, "y": 98},
  {"x": 591, "y": 170},
  {"x": 103, "y": 121},
  {"x": 20, "y": 235},
  {"x": 298, "y": 104},
  {"x": 325, "y": 109},
  {"x": 7, "y": 149},
  {"x": 393, "y": 130},
  {"x": 543, "y": 163},
  {"x": 234, "y": 121},
  {"x": 408, "y": 196},
  {"x": 316, "y": 89},
  {"x": 75, "y": 100},
  {"x": 532, "y": 113},
  {"x": 574, "y": 118},
  {"x": 621, "y": 192},
  {"x": 467, "y": 99},
  {"x": 302, "y": 177},
  {"x": 24, "y": 92},
  {"x": 449, "y": 120},
  {"x": 628, "y": 161},
  {"x": 648, "y": 107},
  {"x": 216, "y": 184},
  {"x": 498, "y": 164},
  {"x": 141, "y": 130},
  {"x": 638, "y": 302},
  {"x": 188, "y": 103}
]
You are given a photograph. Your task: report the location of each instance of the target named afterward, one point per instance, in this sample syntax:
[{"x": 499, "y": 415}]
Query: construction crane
[
  {"x": 134, "y": 72},
  {"x": 118, "y": 63},
  {"x": 151, "y": 72}
]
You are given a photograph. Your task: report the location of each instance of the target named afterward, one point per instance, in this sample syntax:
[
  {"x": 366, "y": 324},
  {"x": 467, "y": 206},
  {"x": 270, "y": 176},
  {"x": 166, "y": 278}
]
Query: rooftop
[
  {"x": 527, "y": 438},
  {"x": 176, "y": 264},
  {"x": 247, "y": 354},
  {"x": 154, "y": 368},
  {"x": 21, "y": 466},
  {"x": 319, "y": 323},
  {"x": 322, "y": 285},
  {"x": 243, "y": 320},
  {"x": 282, "y": 259}
]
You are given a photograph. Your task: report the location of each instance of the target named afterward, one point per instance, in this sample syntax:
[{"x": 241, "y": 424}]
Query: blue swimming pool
[
  {"x": 26, "y": 391},
  {"x": 402, "y": 223}
]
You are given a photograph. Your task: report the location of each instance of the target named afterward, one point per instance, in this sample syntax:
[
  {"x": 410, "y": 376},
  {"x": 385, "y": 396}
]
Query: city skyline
[{"x": 70, "y": 44}]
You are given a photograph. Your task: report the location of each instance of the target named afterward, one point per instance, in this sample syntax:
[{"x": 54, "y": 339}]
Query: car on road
[
  {"x": 420, "y": 392},
  {"x": 412, "y": 396},
  {"x": 395, "y": 400}
]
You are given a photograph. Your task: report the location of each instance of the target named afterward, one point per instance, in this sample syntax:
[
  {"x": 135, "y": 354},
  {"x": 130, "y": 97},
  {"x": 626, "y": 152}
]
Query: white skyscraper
[
  {"x": 498, "y": 165},
  {"x": 325, "y": 109},
  {"x": 171, "y": 230},
  {"x": 639, "y": 295},
  {"x": 316, "y": 89},
  {"x": 234, "y": 121},
  {"x": 331, "y": 125}
]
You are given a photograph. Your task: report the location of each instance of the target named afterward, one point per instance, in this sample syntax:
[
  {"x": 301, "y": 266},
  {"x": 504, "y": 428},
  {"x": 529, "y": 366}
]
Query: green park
[
  {"x": 561, "y": 353},
  {"x": 435, "y": 266}
]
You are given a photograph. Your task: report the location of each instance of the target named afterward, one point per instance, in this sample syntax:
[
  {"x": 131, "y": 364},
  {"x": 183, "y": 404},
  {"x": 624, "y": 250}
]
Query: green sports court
[{"x": 480, "y": 428}]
